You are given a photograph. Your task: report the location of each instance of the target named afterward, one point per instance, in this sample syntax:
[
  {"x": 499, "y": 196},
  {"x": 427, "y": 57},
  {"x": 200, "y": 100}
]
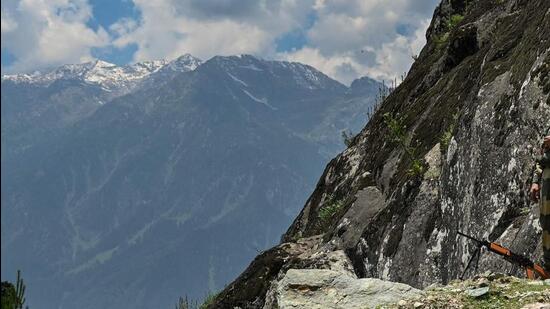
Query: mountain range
[{"x": 129, "y": 186}]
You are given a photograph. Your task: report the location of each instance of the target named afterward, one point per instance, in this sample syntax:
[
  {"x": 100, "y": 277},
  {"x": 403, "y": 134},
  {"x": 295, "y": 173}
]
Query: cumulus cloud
[
  {"x": 8, "y": 24},
  {"x": 45, "y": 33},
  {"x": 169, "y": 28},
  {"x": 348, "y": 38},
  {"x": 344, "y": 38},
  {"x": 354, "y": 38}
]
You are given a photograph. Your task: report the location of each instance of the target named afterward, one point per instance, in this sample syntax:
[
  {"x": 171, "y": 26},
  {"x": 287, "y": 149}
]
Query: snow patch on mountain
[
  {"x": 183, "y": 63},
  {"x": 251, "y": 67},
  {"x": 107, "y": 75},
  {"x": 262, "y": 100},
  {"x": 237, "y": 80},
  {"x": 304, "y": 75}
]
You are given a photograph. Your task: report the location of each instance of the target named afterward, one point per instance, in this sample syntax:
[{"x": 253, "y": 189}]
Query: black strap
[{"x": 476, "y": 254}]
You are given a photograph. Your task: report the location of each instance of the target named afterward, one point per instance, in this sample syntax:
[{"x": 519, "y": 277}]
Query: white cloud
[
  {"x": 388, "y": 61},
  {"x": 123, "y": 27},
  {"x": 376, "y": 38},
  {"x": 394, "y": 58},
  {"x": 45, "y": 33},
  {"x": 8, "y": 23},
  {"x": 348, "y": 38},
  {"x": 169, "y": 28},
  {"x": 340, "y": 66}
]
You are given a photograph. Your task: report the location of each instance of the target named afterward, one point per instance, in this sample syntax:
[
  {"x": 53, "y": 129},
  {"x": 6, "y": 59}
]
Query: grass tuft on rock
[
  {"x": 454, "y": 21},
  {"x": 398, "y": 134},
  {"x": 504, "y": 293},
  {"x": 327, "y": 212}
]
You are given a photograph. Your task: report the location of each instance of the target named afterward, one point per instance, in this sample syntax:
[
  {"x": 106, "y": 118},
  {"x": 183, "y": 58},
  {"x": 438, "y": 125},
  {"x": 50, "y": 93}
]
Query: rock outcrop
[
  {"x": 451, "y": 149},
  {"x": 320, "y": 288}
]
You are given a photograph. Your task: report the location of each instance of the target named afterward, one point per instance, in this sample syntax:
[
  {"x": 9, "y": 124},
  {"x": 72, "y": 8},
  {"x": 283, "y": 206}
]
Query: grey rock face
[
  {"x": 501, "y": 110},
  {"x": 321, "y": 288},
  {"x": 474, "y": 107}
]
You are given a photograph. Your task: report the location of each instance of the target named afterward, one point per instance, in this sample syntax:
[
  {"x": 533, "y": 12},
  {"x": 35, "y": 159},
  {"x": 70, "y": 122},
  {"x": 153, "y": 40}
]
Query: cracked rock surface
[
  {"x": 473, "y": 108},
  {"x": 321, "y": 288}
]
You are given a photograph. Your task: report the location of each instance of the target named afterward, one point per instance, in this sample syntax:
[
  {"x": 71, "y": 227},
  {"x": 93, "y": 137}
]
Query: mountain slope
[
  {"x": 38, "y": 106},
  {"x": 169, "y": 189},
  {"x": 452, "y": 148}
]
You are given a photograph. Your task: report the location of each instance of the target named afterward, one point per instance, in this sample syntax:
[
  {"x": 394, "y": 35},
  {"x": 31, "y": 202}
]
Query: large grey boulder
[{"x": 323, "y": 288}]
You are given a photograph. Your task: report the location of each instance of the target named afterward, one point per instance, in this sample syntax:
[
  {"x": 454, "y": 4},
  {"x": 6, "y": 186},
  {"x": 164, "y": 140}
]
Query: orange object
[
  {"x": 532, "y": 270},
  {"x": 499, "y": 249}
]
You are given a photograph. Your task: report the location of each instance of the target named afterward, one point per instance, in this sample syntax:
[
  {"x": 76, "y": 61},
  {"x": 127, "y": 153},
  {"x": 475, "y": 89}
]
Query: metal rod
[{"x": 476, "y": 253}]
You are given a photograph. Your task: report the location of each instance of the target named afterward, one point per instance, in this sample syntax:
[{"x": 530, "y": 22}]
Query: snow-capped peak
[
  {"x": 107, "y": 75},
  {"x": 102, "y": 64},
  {"x": 184, "y": 63},
  {"x": 241, "y": 66}
]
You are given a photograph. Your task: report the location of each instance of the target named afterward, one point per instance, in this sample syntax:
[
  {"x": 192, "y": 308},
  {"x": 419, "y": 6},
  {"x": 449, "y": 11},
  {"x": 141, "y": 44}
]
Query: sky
[{"x": 345, "y": 39}]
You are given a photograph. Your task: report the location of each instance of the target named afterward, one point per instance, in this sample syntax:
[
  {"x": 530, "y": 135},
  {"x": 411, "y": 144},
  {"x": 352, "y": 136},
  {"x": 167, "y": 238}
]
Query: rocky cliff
[{"x": 451, "y": 149}]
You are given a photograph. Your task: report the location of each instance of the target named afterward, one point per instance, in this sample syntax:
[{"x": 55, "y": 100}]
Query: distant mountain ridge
[
  {"x": 133, "y": 186},
  {"x": 107, "y": 75}
]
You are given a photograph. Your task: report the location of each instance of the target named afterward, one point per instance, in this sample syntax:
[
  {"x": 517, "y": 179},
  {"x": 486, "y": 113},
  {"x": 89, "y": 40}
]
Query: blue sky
[
  {"x": 343, "y": 38},
  {"x": 106, "y": 13}
]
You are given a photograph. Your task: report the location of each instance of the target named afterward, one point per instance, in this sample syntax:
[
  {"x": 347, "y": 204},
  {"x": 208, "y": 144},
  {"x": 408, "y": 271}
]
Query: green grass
[
  {"x": 454, "y": 21},
  {"x": 186, "y": 303},
  {"x": 446, "y": 137},
  {"x": 13, "y": 296},
  {"x": 504, "y": 293},
  {"x": 327, "y": 212},
  {"x": 208, "y": 300},
  {"x": 398, "y": 134},
  {"x": 508, "y": 297},
  {"x": 396, "y": 127},
  {"x": 441, "y": 40},
  {"x": 416, "y": 168}
]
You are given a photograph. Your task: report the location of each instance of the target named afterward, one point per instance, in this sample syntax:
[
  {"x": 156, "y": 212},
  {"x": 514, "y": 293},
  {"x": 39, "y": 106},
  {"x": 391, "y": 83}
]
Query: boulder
[{"x": 323, "y": 288}]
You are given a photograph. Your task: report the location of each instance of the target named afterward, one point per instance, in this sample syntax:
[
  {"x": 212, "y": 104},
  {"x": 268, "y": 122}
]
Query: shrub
[
  {"x": 397, "y": 128},
  {"x": 383, "y": 93},
  {"x": 445, "y": 138},
  {"x": 208, "y": 300},
  {"x": 398, "y": 134},
  {"x": 185, "y": 303},
  {"x": 416, "y": 168},
  {"x": 13, "y": 297},
  {"x": 327, "y": 212},
  {"x": 8, "y": 295},
  {"x": 454, "y": 21},
  {"x": 442, "y": 39}
]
